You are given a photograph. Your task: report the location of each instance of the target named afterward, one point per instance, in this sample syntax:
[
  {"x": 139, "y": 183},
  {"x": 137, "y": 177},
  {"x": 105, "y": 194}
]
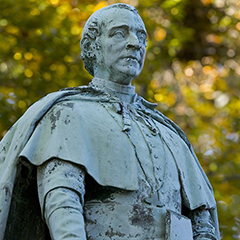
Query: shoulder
[
  {"x": 72, "y": 102},
  {"x": 65, "y": 97},
  {"x": 81, "y": 92}
]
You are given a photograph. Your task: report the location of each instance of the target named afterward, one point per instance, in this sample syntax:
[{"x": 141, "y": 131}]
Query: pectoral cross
[{"x": 154, "y": 200}]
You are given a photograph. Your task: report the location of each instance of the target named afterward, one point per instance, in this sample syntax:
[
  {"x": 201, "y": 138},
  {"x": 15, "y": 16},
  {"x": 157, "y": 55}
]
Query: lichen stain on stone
[
  {"x": 55, "y": 165},
  {"x": 3, "y": 149},
  {"x": 142, "y": 216},
  {"x": 70, "y": 105},
  {"x": 176, "y": 200},
  {"x": 110, "y": 233},
  {"x": 54, "y": 117},
  {"x": 92, "y": 222},
  {"x": 67, "y": 120}
]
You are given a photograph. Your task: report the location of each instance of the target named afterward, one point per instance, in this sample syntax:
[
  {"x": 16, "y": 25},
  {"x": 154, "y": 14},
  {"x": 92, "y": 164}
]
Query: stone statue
[{"x": 98, "y": 162}]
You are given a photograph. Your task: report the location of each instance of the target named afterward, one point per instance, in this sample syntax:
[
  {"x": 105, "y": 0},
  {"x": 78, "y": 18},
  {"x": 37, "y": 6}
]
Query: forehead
[{"x": 116, "y": 17}]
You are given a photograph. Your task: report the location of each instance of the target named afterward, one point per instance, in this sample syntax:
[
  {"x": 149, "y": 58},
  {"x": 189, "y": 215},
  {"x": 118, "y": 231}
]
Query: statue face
[{"x": 122, "y": 46}]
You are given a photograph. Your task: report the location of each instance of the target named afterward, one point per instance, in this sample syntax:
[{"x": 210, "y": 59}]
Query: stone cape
[{"x": 19, "y": 139}]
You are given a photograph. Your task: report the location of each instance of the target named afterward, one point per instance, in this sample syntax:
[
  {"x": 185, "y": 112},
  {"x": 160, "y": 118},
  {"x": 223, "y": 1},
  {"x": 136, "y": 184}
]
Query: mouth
[{"x": 132, "y": 58}]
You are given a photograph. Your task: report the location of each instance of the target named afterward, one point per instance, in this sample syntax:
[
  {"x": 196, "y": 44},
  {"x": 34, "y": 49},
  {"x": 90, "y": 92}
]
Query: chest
[{"x": 143, "y": 145}]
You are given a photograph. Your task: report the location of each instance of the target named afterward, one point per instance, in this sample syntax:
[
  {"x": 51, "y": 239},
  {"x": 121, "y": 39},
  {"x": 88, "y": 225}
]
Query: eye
[
  {"x": 119, "y": 33},
  {"x": 142, "y": 38}
]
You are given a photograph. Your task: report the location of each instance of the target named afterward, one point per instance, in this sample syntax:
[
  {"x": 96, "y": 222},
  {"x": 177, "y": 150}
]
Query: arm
[
  {"x": 202, "y": 224},
  {"x": 61, "y": 192}
]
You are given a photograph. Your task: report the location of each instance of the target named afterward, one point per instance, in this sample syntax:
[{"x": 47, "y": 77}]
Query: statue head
[{"x": 113, "y": 43}]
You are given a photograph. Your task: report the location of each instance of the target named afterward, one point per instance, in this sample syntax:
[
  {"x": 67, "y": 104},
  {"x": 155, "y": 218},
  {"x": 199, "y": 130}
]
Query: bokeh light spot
[
  {"x": 22, "y": 104},
  {"x": 207, "y": 69},
  {"x": 75, "y": 30},
  {"x": 54, "y": 2},
  {"x": 189, "y": 72},
  {"x": 28, "y": 56},
  {"x": 206, "y": 2},
  {"x": 3, "y": 22},
  {"x": 158, "y": 97},
  {"x": 160, "y": 34},
  {"x": 35, "y": 12},
  {"x": 17, "y": 56},
  {"x": 47, "y": 76},
  {"x": 213, "y": 167},
  {"x": 71, "y": 83},
  {"x": 100, "y": 5},
  {"x": 174, "y": 11},
  {"x": 28, "y": 73}
]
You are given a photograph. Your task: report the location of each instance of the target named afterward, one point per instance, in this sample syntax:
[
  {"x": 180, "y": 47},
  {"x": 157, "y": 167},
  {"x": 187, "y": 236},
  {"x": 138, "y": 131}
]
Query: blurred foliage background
[{"x": 192, "y": 71}]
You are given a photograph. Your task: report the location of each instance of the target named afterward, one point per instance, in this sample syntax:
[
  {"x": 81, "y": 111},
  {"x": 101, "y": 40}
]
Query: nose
[{"x": 133, "y": 42}]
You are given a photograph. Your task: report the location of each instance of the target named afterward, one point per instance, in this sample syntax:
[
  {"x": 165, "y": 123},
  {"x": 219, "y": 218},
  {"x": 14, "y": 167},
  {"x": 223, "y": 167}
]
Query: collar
[
  {"x": 115, "y": 89},
  {"x": 112, "y": 86}
]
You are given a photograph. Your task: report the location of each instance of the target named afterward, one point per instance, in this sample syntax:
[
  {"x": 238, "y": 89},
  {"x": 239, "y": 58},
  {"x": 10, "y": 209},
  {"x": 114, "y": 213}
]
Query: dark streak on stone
[
  {"x": 54, "y": 167},
  {"x": 7, "y": 193},
  {"x": 54, "y": 118},
  {"x": 142, "y": 216},
  {"x": 67, "y": 120},
  {"x": 3, "y": 149},
  {"x": 70, "y": 105},
  {"x": 110, "y": 233}
]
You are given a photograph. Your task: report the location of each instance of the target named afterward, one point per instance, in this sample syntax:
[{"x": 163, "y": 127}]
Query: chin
[{"x": 131, "y": 72}]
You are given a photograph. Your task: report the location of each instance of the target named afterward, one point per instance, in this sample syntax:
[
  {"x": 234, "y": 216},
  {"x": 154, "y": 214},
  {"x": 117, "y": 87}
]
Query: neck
[{"x": 124, "y": 92}]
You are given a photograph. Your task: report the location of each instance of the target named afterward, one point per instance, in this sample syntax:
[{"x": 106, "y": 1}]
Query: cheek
[
  {"x": 113, "y": 54},
  {"x": 115, "y": 48},
  {"x": 143, "y": 53},
  {"x": 114, "y": 45}
]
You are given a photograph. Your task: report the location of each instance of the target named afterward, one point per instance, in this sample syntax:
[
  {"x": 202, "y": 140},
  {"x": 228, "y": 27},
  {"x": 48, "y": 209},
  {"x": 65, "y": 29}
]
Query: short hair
[{"x": 92, "y": 30}]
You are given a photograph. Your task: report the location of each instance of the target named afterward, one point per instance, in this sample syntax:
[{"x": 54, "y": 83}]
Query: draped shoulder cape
[{"x": 18, "y": 136}]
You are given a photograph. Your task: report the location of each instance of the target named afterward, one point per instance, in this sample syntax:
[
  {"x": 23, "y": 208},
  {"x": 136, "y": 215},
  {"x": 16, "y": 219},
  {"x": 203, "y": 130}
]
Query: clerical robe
[{"x": 129, "y": 147}]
